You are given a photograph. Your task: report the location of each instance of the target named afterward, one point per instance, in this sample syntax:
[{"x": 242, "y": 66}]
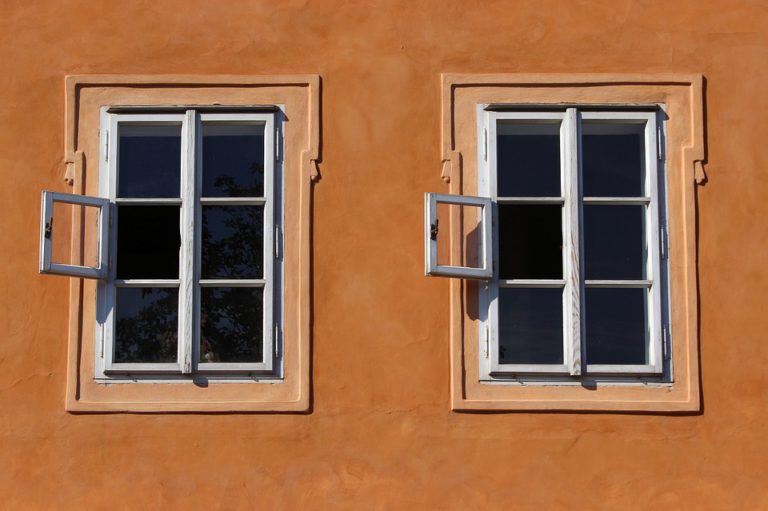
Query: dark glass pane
[
  {"x": 148, "y": 242},
  {"x": 233, "y": 242},
  {"x": 528, "y": 160},
  {"x": 233, "y": 160},
  {"x": 616, "y": 326},
  {"x": 530, "y": 241},
  {"x": 146, "y": 325},
  {"x": 613, "y": 160},
  {"x": 530, "y": 326},
  {"x": 231, "y": 323},
  {"x": 614, "y": 242},
  {"x": 149, "y": 160}
]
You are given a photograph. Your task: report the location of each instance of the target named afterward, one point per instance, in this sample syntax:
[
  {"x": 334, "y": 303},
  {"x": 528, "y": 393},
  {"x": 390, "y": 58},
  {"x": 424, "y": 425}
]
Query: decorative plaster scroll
[{"x": 451, "y": 166}]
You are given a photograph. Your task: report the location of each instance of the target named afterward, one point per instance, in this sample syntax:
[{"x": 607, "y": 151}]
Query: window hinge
[
  {"x": 277, "y": 340},
  {"x": 277, "y": 242},
  {"x": 101, "y": 343},
  {"x": 485, "y": 144},
  {"x": 277, "y": 144},
  {"x": 659, "y": 149},
  {"x": 106, "y": 146},
  {"x": 663, "y": 242},
  {"x": 665, "y": 341},
  {"x": 487, "y": 342}
]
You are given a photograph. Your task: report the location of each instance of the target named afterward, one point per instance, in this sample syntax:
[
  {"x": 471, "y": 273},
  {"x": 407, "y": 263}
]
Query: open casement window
[
  {"x": 98, "y": 267},
  {"x": 474, "y": 213},
  {"x": 189, "y": 261},
  {"x": 578, "y": 287}
]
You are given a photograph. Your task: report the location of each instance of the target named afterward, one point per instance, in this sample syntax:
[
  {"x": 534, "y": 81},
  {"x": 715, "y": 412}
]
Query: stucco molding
[
  {"x": 683, "y": 97},
  {"x": 695, "y": 152},
  {"x": 301, "y": 96},
  {"x": 75, "y": 82}
]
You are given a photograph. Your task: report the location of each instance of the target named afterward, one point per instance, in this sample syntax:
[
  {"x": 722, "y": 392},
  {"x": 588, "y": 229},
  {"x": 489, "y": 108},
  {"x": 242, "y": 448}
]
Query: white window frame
[
  {"x": 574, "y": 369},
  {"x": 432, "y": 230},
  {"x": 189, "y": 282},
  {"x": 99, "y": 271}
]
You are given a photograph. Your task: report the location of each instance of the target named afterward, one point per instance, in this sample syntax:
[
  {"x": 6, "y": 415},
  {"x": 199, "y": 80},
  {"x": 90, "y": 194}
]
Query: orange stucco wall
[{"x": 380, "y": 434}]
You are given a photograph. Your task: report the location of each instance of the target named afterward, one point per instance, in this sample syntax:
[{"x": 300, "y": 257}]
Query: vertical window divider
[
  {"x": 270, "y": 327},
  {"x": 572, "y": 234},
  {"x": 491, "y": 165},
  {"x": 653, "y": 260},
  {"x": 197, "y": 244},
  {"x": 187, "y": 253}
]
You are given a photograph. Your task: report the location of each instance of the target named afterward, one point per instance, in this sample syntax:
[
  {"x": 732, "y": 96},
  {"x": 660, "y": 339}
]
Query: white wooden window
[
  {"x": 438, "y": 264},
  {"x": 578, "y": 283},
  {"x": 193, "y": 273},
  {"x": 577, "y": 288},
  {"x": 97, "y": 270}
]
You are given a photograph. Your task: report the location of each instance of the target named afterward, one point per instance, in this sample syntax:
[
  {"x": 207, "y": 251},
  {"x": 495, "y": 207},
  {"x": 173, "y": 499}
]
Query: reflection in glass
[
  {"x": 530, "y": 241},
  {"x": 231, "y": 324},
  {"x": 614, "y": 242},
  {"x": 232, "y": 242},
  {"x": 613, "y": 160},
  {"x": 528, "y": 160},
  {"x": 233, "y": 160},
  {"x": 149, "y": 160},
  {"x": 148, "y": 242},
  {"x": 530, "y": 326},
  {"x": 616, "y": 325},
  {"x": 146, "y": 324}
]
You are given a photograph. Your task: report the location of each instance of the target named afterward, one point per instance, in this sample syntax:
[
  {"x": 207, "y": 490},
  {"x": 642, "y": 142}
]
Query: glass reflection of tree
[
  {"x": 232, "y": 241},
  {"x": 231, "y": 318},
  {"x": 149, "y": 335}
]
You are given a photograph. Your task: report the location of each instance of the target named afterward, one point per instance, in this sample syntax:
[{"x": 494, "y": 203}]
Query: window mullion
[
  {"x": 571, "y": 235},
  {"x": 653, "y": 259},
  {"x": 270, "y": 327},
  {"x": 187, "y": 253}
]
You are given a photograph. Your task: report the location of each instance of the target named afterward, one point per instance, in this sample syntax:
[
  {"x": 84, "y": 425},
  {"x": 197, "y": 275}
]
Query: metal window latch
[
  {"x": 48, "y": 229},
  {"x": 433, "y": 230}
]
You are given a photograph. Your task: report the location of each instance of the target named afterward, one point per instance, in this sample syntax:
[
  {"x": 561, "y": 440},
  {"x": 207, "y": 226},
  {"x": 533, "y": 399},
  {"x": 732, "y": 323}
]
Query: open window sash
[
  {"x": 47, "y": 265},
  {"x": 482, "y": 229}
]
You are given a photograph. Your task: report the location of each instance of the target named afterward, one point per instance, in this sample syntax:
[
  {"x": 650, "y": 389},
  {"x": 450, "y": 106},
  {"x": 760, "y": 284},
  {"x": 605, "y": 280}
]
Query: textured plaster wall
[{"x": 380, "y": 435}]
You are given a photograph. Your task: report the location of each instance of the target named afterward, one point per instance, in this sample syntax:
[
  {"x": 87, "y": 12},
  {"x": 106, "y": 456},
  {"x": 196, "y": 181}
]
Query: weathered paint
[{"x": 380, "y": 434}]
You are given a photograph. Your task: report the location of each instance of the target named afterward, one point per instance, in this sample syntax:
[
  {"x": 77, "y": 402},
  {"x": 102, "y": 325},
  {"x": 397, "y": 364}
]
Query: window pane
[
  {"x": 616, "y": 326},
  {"x": 232, "y": 242},
  {"x": 231, "y": 323},
  {"x": 149, "y": 160},
  {"x": 614, "y": 242},
  {"x": 528, "y": 160},
  {"x": 146, "y": 325},
  {"x": 530, "y": 326},
  {"x": 148, "y": 242},
  {"x": 530, "y": 241},
  {"x": 613, "y": 159},
  {"x": 470, "y": 218},
  {"x": 233, "y": 160}
]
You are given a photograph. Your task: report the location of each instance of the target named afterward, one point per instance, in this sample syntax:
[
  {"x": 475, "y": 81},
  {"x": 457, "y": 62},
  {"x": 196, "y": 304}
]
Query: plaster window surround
[
  {"x": 591, "y": 298},
  {"x": 194, "y": 286}
]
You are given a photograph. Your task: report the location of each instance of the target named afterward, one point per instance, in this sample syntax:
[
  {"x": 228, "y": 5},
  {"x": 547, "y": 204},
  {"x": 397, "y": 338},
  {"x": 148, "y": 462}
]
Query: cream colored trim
[
  {"x": 292, "y": 393},
  {"x": 682, "y": 96},
  {"x": 74, "y": 83}
]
